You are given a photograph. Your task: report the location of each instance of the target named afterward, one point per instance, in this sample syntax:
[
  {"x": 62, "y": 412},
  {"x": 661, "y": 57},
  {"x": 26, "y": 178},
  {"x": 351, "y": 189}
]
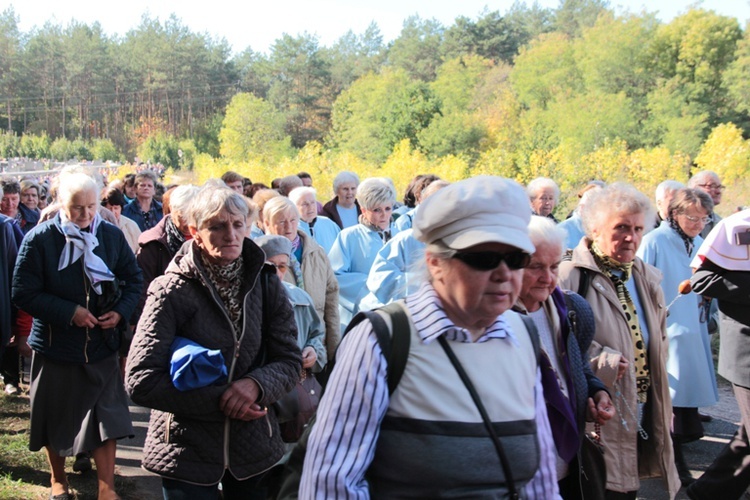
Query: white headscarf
[
  {"x": 82, "y": 243},
  {"x": 721, "y": 246}
]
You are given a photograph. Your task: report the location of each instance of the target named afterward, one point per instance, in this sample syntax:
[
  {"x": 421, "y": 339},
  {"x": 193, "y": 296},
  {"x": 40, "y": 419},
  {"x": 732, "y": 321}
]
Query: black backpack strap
[
  {"x": 395, "y": 349},
  {"x": 395, "y": 344}
]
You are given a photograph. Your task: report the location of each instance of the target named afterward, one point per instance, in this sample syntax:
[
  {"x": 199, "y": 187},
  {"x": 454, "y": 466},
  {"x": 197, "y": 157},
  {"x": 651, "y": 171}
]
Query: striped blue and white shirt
[{"x": 342, "y": 442}]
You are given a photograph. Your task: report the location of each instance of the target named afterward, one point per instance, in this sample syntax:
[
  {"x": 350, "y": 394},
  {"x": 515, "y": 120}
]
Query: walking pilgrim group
[{"x": 483, "y": 348}]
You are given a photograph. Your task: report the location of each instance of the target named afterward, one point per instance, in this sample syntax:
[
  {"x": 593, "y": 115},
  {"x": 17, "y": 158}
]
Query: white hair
[
  {"x": 181, "y": 198},
  {"x": 75, "y": 183},
  {"x": 666, "y": 187},
  {"x": 344, "y": 177},
  {"x": 542, "y": 183},
  {"x": 297, "y": 193},
  {"x": 544, "y": 230},
  {"x": 375, "y": 191}
]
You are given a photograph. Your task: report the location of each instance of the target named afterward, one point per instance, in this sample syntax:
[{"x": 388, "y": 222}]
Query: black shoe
[
  {"x": 705, "y": 418},
  {"x": 82, "y": 463}
]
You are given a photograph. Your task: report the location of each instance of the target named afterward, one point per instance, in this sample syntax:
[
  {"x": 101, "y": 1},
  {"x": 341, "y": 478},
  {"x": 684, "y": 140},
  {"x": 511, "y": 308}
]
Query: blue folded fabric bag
[{"x": 193, "y": 366}]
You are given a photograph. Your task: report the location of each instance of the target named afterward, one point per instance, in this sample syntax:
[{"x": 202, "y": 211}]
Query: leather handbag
[
  {"x": 297, "y": 407},
  {"x": 593, "y": 470}
]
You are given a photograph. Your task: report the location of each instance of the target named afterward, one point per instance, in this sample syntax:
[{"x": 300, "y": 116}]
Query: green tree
[
  {"x": 417, "y": 48},
  {"x": 573, "y": 16},
  {"x": 253, "y": 129},
  {"x": 355, "y": 55},
  {"x": 689, "y": 57},
  {"x": 300, "y": 86},
  {"x": 10, "y": 64},
  {"x": 546, "y": 70},
  {"x": 379, "y": 111}
]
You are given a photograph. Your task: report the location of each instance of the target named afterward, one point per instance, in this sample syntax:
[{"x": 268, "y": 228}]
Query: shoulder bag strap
[{"x": 513, "y": 493}]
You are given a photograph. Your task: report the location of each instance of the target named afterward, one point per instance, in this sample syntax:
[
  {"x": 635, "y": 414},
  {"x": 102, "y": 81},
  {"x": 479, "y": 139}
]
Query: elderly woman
[
  {"x": 543, "y": 195},
  {"x": 214, "y": 293},
  {"x": 566, "y": 327},
  {"x": 425, "y": 438},
  {"x": 320, "y": 227},
  {"x": 356, "y": 247},
  {"x": 628, "y": 305},
  {"x": 310, "y": 332},
  {"x": 310, "y": 269},
  {"x": 692, "y": 383},
  {"x": 260, "y": 198},
  {"x": 344, "y": 208},
  {"x": 79, "y": 280}
]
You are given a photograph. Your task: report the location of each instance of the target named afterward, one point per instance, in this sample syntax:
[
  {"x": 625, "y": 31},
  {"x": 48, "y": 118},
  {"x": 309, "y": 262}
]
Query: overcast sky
[{"x": 257, "y": 24}]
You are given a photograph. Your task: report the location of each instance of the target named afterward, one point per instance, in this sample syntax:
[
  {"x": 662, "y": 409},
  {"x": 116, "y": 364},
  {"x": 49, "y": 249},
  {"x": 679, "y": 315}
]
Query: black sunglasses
[{"x": 487, "y": 261}]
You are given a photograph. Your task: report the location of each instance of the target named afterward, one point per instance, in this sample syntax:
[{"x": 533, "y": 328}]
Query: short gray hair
[
  {"x": 344, "y": 177},
  {"x": 276, "y": 206},
  {"x": 288, "y": 183},
  {"x": 181, "y": 198},
  {"x": 619, "y": 198},
  {"x": 544, "y": 230},
  {"x": 697, "y": 178},
  {"x": 298, "y": 193},
  {"x": 211, "y": 200},
  {"x": 75, "y": 183},
  {"x": 146, "y": 174},
  {"x": 542, "y": 183},
  {"x": 666, "y": 187},
  {"x": 375, "y": 191}
]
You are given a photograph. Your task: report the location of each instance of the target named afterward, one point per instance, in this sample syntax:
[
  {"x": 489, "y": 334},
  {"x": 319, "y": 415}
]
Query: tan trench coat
[
  {"x": 322, "y": 286},
  {"x": 624, "y": 464}
]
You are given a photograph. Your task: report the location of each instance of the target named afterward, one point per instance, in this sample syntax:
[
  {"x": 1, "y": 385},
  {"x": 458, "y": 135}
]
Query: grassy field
[{"x": 24, "y": 474}]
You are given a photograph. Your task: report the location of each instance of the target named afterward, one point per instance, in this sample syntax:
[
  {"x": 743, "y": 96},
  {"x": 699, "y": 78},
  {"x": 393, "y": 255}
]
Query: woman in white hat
[{"x": 477, "y": 246}]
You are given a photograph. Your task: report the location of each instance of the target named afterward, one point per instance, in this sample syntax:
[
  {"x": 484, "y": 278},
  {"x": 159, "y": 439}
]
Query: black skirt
[{"x": 77, "y": 407}]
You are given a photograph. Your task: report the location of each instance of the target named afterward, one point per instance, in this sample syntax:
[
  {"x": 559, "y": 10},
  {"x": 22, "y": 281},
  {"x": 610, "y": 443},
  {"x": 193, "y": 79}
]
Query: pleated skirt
[{"x": 77, "y": 407}]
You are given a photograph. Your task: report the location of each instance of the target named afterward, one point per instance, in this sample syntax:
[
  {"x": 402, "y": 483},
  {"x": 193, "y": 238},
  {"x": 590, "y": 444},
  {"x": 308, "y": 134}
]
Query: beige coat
[
  {"x": 624, "y": 464},
  {"x": 321, "y": 284}
]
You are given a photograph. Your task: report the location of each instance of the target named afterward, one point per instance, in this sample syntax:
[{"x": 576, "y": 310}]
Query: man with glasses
[{"x": 708, "y": 182}]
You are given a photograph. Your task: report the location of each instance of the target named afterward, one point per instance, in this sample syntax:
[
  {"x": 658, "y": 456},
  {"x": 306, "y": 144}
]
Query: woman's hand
[
  {"x": 600, "y": 408},
  {"x": 239, "y": 400},
  {"x": 109, "y": 320},
  {"x": 308, "y": 357},
  {"x": 23, "y": 346},
  {"x": 622, "y": 367},
  {"x": 84, "y": 319}
]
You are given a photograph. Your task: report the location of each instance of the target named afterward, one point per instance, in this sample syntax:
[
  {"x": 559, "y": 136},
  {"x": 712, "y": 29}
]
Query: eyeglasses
[
  {"x": 487, "y": 261},
  {"x": 713, "y": 187},
  {"x": 281, "y": 267},
  {"x": 704, "y": 220}
]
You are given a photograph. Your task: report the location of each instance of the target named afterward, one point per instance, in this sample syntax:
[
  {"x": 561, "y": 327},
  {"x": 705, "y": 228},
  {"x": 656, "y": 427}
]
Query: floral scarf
[{"x": 227, "y": 280}]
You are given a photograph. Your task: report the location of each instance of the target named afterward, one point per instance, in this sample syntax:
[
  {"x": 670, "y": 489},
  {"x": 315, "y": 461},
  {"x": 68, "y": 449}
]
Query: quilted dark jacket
[
  {"x": 189, "y": 438},
  {"x": 52, "y": 296}
]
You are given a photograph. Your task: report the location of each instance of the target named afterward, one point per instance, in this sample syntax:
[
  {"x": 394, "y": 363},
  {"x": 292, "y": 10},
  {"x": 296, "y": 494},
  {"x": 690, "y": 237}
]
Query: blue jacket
[
  {"x": 692, "y": 382},
  {"x": 52, "y": 296},
  {"x": 133, "y": 211}
]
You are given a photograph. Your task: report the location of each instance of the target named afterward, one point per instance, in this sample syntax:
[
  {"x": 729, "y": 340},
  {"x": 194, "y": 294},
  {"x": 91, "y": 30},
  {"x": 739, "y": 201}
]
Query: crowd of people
[{"x": 513, "y": 352}]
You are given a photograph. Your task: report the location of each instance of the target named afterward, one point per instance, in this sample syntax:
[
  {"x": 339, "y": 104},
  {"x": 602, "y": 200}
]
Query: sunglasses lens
[{"x": 487, "y": 261}]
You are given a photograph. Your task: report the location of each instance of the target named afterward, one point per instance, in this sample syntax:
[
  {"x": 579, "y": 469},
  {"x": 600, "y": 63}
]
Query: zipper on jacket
[
  {"x": 86, "y": 342},
  {"x": 167, "y": 425},
  {"x": 237, "y": 344}
]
